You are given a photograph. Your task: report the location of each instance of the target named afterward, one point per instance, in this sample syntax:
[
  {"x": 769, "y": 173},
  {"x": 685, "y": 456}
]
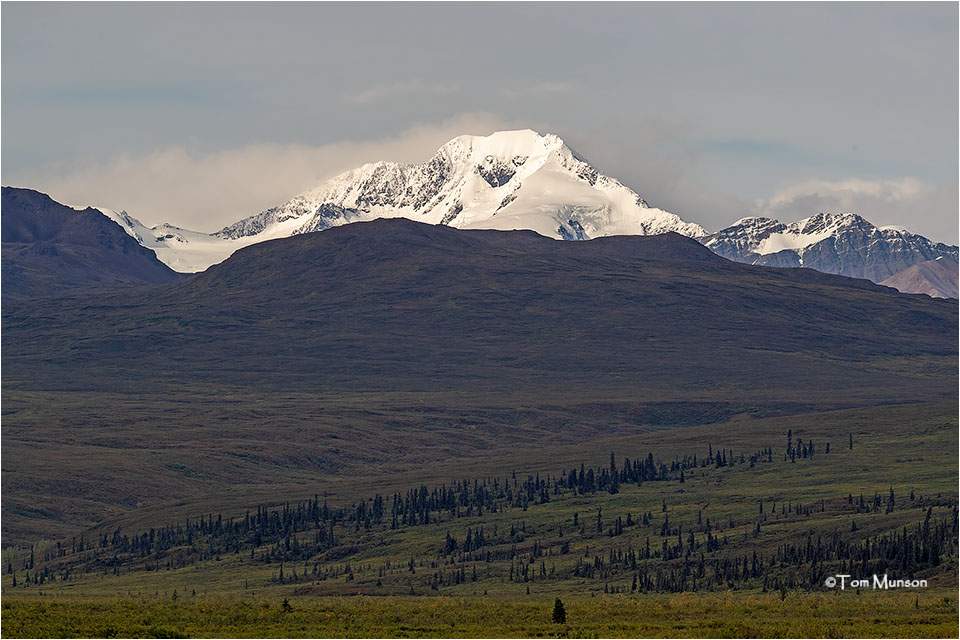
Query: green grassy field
[{"x": 722, "y": 615}]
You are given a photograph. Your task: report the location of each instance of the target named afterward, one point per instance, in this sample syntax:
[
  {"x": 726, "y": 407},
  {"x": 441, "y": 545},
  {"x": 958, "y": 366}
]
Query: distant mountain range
[
  {"x": 50, "y": 249},
  {"x": 845, "y": 244},
  {"x": 521, "y": 180}
]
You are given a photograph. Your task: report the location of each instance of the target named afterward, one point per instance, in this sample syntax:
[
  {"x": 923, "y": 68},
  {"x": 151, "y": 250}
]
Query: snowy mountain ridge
[{"x": 842, "y": 243}]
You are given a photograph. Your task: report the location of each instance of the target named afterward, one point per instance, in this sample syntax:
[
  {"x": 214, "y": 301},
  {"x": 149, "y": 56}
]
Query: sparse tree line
[
  {"x": 307, "y": 539},
  {"x": 209, "y": 536}
]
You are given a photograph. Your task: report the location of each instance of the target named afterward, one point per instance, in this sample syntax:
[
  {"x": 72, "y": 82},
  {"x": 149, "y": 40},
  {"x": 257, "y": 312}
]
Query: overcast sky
[{"x": 201, "y": 114}]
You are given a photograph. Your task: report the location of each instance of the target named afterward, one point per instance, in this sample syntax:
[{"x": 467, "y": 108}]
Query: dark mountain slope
[
  {"x": 49, "y": 249},
  {"x": 394, "y": 304}
]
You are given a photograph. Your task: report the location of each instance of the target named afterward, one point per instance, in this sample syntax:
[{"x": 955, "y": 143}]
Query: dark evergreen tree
[{"x": 559, "y": 612}]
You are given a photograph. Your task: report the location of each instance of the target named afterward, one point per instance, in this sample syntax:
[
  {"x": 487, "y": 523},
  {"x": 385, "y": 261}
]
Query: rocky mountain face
[
  {"x": 937, "y": 278},
  {"x": 844, "y": 244},
  {"x": 51, "y": 249}
]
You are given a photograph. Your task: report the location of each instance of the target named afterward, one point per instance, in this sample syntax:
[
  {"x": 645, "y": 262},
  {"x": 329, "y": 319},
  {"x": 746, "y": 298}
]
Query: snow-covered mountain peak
[
  {"x": 764, "y": 236},
  {"x": 844, "y": 243},
  {"x": 507, "y": 180},
  {"x": 824, "y": 220},
  {"x": 504, "y": 145}
]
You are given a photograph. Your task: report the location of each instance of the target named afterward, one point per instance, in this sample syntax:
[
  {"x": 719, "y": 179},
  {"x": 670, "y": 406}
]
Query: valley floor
[{"x": 930, "y": 614}]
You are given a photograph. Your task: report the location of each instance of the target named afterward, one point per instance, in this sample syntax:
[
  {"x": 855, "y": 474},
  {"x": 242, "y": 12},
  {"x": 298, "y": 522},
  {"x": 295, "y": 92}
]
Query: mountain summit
[
  {"x": 841, "y": 243},
  {"x": 508, "y": 180}
]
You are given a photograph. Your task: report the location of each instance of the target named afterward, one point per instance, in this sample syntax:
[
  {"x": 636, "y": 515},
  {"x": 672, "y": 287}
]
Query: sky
[{"x": 201, "y": 114}]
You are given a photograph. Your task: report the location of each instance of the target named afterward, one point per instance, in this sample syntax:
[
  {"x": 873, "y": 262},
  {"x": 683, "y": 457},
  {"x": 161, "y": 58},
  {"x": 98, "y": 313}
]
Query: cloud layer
[
  {"x": 920, "y": 207},
  {"x": 206, "y": 192}
]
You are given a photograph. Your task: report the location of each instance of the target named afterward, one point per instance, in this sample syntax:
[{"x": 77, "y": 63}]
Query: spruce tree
[{"x": 559, "y": 613}]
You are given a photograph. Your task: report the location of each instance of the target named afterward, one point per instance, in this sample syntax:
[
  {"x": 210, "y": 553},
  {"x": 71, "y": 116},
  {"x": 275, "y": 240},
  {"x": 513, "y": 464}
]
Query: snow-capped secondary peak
[
  {"x": 843, "y": 243},
  {"x": 809, "y": 231},
  {"x": 507, "y": 180}
]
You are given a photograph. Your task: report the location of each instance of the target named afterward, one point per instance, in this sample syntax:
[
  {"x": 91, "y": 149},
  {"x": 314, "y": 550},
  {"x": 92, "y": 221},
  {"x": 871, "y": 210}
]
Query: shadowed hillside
[
  {"x": 394, "y": 305},
  {"x": 50, "y": 249}
]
